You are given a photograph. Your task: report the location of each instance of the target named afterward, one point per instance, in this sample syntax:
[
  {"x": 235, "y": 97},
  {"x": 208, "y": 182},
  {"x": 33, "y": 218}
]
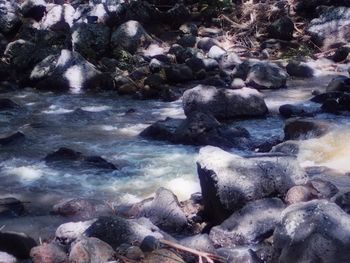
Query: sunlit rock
[
  {"x": 58, "y": 17},
  {"x": 69, "y": 232},
  {"x": 48, "y": 253}
]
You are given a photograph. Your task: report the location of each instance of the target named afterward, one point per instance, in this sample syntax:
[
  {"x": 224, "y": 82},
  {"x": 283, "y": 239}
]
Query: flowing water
[{"x": 101, "y": 125}]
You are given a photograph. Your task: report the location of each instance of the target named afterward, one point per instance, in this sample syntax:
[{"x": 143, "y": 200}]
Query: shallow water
[{"x": 99, "y": 125}]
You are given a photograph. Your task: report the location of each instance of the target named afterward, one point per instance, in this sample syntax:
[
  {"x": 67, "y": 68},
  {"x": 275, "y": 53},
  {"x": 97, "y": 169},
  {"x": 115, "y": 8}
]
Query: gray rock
[
  {"x": 9, "y": 17},
  {"x": 289, "y": 110},
  {"x": 48, "y": 253},
  {"x": 229, "y": 181},
  {"x": 90, "y": 40},
  {"x": 11, "y": 139},
  {"x": 343, "y": 200},
  {"x": 313, "y": 231},
  {"x": 339, "y": 84},
  {"x": 239, "y": 255},
  {"x": 187, "y": 41},
  {"x": 224, "y": 103},
  {"x": 216, "y": 52},
  {"x": 229, "y": 60},
  {"x": 301, "y": 128},
  {"x": 299, "y": 69},
  {"x": 75, "y": 207},
  {"x": 161, "y": 130},
  {"x": 201, "y": 242},
  {"x": 288, "y": 147},
  {"x": 10, "y": 206},
  {"x": 69, "y": 232},
  {"x": 69, "y": 71},
  {"x": 251, "y": 224},
  {"x": 58, "y": 17},
  {"x": 129, "y": 36},
  {"x": 178, "y": 73},
  {"x": 206, "y": 43}
]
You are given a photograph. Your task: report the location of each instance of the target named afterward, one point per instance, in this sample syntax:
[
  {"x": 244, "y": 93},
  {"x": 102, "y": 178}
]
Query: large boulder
[
  {"x": 34, "y": 9},
  {"x": 331, "y": 27},
  {"x": 9, "y": 17},
  {"x": 299, "y": 69},
  {"x": 229, "y": 181},
  {"x": 178, "y": 73},
  {"x": 339, "y": 84},
  {"x": 69, "y": 71},
  {"x": 129, "y": 36},
  {"x": 249, "y": 225},
  {"x": 16, "y": 244},
  {"x": 315, "y": 231},
  {"x": 71, "y": 231},
  {"x": 224, "y": 103},
  {"x": 90, "y": 40},
  {"x": 301, "y": 129}
]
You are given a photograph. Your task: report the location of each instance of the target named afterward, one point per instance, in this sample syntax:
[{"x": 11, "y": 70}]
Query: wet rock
[
  {"x": 239, "y": 255},
  {"x": 229, "y": 60},
  {"x": 9, "y": 17},
  {"x": 187, "y": 41},
  {"x": 343, "y": 201},
  {"x": 69, "y": 232},
  {"x": 253, "y": 223},
  {"x": 301, "y": 129},
  {"x": 216, "y": 52},
  {"x": 164, "y": 256},
  {"x": 282, "y": 28},
  {"x": 289, "y": 110},
  {"x": 299, "y": 69},
  {"x": 323, "y": 189},
  {"x": 299, "y": 193},
  {"x": 16, "y": 244},
  {"x": 59, "y": 17},
  {"x": 116, "y": 230},
  {"x": 201, "y": 242},
  {"x": 341, "y": 54},
  {"x": 48, "y": 253},
  {"x": 90, "y": 250},
  {"x": 331, "y": 27},
  {"x": 64, "y": 155},
  {"x": 75, "y": 206},
  {"x": 155, "y": 65},
  {"x": 90, "y": 40},
  {"x": 288, "y": 147},
  {"x": 206, "y": 43},
  {"x": 224, "y": 103},
  {"x": 161, "y": 130},
  {"x": 7, "y": 104},
  {"x": 178, "y": 73},
  {"x": 34, "y": 9},
  {"x": 313, "y": 230},
  {"x": 229, "y": 181},
  {"x": 11, "y": 207},
  {"x": 337, "y": 105},
  {"x": 266, "y": 75},
  {"x": 164, "y": 211},
  {"x": 69, "y": 71},
  {"x": 149, "y": 243},
  {"x": 130, "y": 36},
  {"x": 11, "y": 139},
  {"x": 339, "y": 84}
]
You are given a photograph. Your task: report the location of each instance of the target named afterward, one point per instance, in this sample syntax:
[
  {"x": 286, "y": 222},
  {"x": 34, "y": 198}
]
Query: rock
[
  {"x": 187, "y": 41},
  {"x": 69, "y": 232},
  {"x": 155, "y": 65},
  {"x": 239, "y": 255},
  {"x": 11, "y": 139},
  {"x": 58, "y": 17},
  {"x": 338, "y": 104},
  {"x": 76, "y": 206},
  {"x": 164, "y": 256},
  {"x": 48, "y": 253},
  {"x": 177, "y": 15},
  {"x": 90, "y": 250},
  {"x": 16, "y": 244},
  {"x": 34, "y": 9},
  {"x": 149, "y": 243},
  {"x": 341, "y": 54},
  {"x": 289, "y": 110},
  {"x": 241, "y": 70},
  {"x": 252, "y": 224},
  {"x": 141, "y": 11},
  {"x": 9, "y": 17},
  {"x": 288, "y": 147},
  {"x": 116, "y": 230},
  {"x": 134, "y": 253},
  {"x": 216, "y": 52},
  {"x": 189, "y": 28},
  {"x": 7, "y": 258},
  {"x": 314, "y": 230},
  {"x": 224, "y": 103},
  {"x": 69, "y": 71},
  {"x": 64, "y": 155},
  {"x": 299, "y": 69},
  {"x": 195, "y": 64},
  {"x": 206, "y": 43},
  {"x": 343, "y": 201},
  {"x": 11, "y": 207},
  {"x": 266, "y": 75},
  {"x": 299, "y": 193},
  {"x": 237, "y": 83},
  {"x": 7, "y": 104},
  {"x": 229, "y": 181},
  {"x": 161, "y": 130},
  {"x": 339, "y": 84},
  {"x": 178, "y": 73},
  {"x": 323, "y": 189},
  {"x": 331, "y": 27},
  {"x": 129, "y": 36},
  {"x": 282, "y": 29},
  {"x": 201, "y": 242},
  {"x": 301, "y": 129},
  {"x": 3, "y": 43},
  {"x": 229, "y": 60},
  {"x": 90, "y": 40}
]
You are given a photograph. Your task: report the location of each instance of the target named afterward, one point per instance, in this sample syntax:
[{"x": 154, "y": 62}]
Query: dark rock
[
  {"x": 289, "y": 110},
  {"x": 337, "y": 105},
  {"x": 323, "y": 97},
  {"x": 90, "y": 40},
  {"x": 241, "y": 70},
  {"x": 343, "y": 201},
  {"x": 282, "y": 28},
  {"x": 299, "y": 69},
  {"x": 178, "y": 73},
  {"x": 224, "y": 103},
  {"x": 189, "y": 28},
  {"x": 11, "y": 207},
  {"x": 9, "y": 17},
  {"x": 116, "y": 230},
  {"x": 34, "y": 9},
  {"x": 301, "y": 129},
  {"x": 239, "y": 255},
  {"x": 299, "y": 193},
  {"x": 229, "y": 181},
  {"x": 155, "y": 65},
  {"x": 177, "y": 15},
  {"x": 161, "y": 130},
  {"x": 341, "y": 54},
  {"x": 69, "y": 232},
  {"x": 7, "y": 104},
  {"x": 206, "y": 43},
  {"x": 164, "y": 211},
  {"x": 75, "y": 206},
  {"x": 252, "y": 224},
  {"x": 195, "y": 64},
  {"x": 69, "y": 71},
  {"x": 12, "y": 139},
  {"x": 149, "y": 243},
  {"x": 16, "y": 244},
  {"x": 339, "y": 84},
  {"x": 155, "y": 81},
  {"x": 130, "y": 36},
  {"x": 48, "y": 253},
  {"x": 3, "y": 43},
  {"x": 58, "y": 17},
  {"x": 187, "y": 41},
  {"x": 90, "y": 250},
  {"x": 315, "y": 230},
  {"x": 141, "y": 11}
]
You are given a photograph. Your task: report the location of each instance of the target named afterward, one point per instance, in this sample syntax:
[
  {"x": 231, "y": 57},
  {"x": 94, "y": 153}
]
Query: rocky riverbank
[{"x": 258, "y": 93}]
